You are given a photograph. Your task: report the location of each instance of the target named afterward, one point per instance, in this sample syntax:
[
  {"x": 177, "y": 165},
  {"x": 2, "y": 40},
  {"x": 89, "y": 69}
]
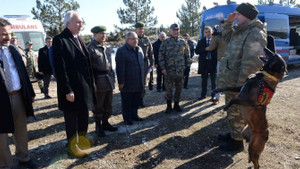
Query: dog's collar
[{"x": 270, "y": 76}]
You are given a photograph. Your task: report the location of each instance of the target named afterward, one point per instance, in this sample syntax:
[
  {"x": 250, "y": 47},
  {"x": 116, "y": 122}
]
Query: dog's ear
[{"x": 268, "y": 54}]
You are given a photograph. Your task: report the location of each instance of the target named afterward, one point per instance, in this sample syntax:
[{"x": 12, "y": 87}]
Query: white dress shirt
[{"x": 16, "y": 85}]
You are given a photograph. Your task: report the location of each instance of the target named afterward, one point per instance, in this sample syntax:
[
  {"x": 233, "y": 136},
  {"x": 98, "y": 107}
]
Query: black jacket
[
  {"x": 156, "y": 46},
  {"x": 6, "y": 120},
  {"x": 73, "y": 72},
  {"x": 205, "y": 65},
  {"x": 44, "y": 62},
  {"x": 130, "y": 68}
]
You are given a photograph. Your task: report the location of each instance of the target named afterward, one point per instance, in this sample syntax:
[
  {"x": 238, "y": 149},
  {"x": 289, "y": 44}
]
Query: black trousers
[
  {"x": 186, "y": 76},
  {"x": 76, "y": 123},
  {"x": 46, "y": 79},
  {"x": 160, "y": 79},
  {"x": 204, "y": 77},
  {"x": 130, "y": 104}
]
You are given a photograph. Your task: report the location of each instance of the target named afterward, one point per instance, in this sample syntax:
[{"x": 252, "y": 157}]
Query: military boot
[
  {"x": 177, "y": 107},
  {"x": 99, "y": 129},
  {"x": 169, "y": 107},
  {"x": 107, "y": 126}
]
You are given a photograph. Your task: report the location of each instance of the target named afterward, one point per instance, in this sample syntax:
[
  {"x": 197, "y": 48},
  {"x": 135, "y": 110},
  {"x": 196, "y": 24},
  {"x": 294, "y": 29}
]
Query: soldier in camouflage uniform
[
  {"x": 241, "y": 59},
  {"x": 174, "y": 57},
  {"x": 31, "y": 64},
  {"x": 145, "y": 44}
]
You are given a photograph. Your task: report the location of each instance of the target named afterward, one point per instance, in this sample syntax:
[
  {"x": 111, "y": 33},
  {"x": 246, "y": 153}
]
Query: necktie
[
  {"x": 8, "y": 78},
  {"x": 208, "y": 56},
  {"x": 78, "y": 43}
]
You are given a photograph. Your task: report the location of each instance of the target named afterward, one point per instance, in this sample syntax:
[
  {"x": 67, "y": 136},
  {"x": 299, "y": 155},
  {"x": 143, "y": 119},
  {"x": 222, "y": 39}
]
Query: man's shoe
[
  {"x": 76, "y": 152},
  {"x": 137, "y": 119},
  {"x": 47, "y": 97},
  {"x": 29, "y": 164},
  {"x": 224, "y": 137},
  {"x": 232, "y": 145},
  {"x": 177, "y": 107},
  {"x": 202, "y": 97},
  {"x": 107, "y": 126},
  {"x": 128, "y": 123}
]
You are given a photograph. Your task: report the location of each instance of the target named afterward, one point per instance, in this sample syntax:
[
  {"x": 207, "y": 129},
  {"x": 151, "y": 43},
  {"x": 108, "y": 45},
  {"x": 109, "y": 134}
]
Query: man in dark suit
[
  {"x": 160, "y": 80},
  {"x": 45, "y": 66},
  {"x": 16, "y": 98},
  {"x": 74, "y": 82},
  {"x": 130, "y": 73},
  {"x": 207, "y": 62}
]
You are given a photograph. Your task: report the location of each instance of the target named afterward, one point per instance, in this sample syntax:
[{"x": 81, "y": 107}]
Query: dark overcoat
[
  {"x": 6, "y": 120},
  {"x": 73, "y": 73},
  {"x": 44, "y": 61},
  {"x": 130, "y": 68},
  {"x": 205, "y": 65}
]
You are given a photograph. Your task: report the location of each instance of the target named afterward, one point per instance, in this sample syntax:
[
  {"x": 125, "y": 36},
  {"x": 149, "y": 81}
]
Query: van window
[
  {"x": 37, "y": 39},
  {"x": 277, "y": 28}
]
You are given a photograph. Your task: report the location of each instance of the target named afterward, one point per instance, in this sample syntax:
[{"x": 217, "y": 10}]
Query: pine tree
[
  {"x": 51, "y": 13},
  {"x": 189, "y": 17},
  {"x": 137, "y": 11}
]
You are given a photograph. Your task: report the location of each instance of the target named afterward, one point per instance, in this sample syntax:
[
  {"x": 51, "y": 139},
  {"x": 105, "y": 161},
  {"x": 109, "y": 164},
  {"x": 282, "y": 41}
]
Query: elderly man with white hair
[{"x": 74, "y": 83}]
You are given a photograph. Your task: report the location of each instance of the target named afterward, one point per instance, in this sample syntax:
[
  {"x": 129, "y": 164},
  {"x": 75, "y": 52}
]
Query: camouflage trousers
[
  {"x": 169, "y": 81},
  {"x": 235, "y": 120}
]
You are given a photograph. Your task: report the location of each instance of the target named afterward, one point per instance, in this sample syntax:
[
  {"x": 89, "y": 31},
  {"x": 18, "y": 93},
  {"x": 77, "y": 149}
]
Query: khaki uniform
[
  {"x": 31, "y": 66},
  {"x": 174, "y": 57},
  {"x": 104, "y": 79},
  {"x": 241, "y": 59},
  {"x": 145, "y": 44}
]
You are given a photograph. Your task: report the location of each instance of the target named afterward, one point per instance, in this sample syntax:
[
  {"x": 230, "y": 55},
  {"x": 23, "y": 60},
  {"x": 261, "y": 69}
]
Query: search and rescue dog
[{"x": 253, "y": 98}]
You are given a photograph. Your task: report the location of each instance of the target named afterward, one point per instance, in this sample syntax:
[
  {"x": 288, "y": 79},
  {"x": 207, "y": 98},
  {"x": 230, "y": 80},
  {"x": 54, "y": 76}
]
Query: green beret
[
  {"x": 139, "y": 25},
  {"x": 98, "y": 29}
]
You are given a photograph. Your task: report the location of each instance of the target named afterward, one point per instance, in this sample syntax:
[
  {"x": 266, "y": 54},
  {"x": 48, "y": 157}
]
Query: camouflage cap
[
  {"x": 13, "y": 34},
  {"x": 139, "y": 25},
  {"x": 174, "y": 26},
  {"x": 98, "y": 29}
]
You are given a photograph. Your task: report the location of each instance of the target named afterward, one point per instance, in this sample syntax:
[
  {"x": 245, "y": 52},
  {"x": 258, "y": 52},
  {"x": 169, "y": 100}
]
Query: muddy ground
[{"x": 184, "y": 140}]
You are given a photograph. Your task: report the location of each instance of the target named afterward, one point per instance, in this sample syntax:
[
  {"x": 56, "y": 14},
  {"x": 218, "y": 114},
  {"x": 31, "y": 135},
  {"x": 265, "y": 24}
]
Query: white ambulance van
[{"x": 27, "y": 29}]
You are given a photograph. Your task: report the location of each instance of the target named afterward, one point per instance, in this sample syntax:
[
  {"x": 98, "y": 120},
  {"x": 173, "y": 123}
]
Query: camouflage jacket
[
  {"x": 145, "y": 44},
  {"x": 31, "y": 62},
  {"x": 220, "y": 44},
  {"x": 174, "y": 56},
  {"x": 243, "y": 51}
]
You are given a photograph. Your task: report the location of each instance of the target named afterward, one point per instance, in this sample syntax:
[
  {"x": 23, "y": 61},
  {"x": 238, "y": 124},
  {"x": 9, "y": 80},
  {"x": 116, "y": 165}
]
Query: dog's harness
[{"x": 265, "y": 91}]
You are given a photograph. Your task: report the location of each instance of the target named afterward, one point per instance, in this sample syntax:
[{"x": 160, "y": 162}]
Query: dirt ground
[{"x": 184, "y": 140}]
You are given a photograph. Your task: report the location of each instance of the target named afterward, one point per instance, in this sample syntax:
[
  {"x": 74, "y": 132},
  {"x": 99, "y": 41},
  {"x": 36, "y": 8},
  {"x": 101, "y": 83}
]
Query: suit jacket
[
  {"x": 130, "y": 68},
  {"x": 205, "y": 65},
  {"x": 73, "y": 73},
  {"x": 6, "y": 120},
  {"x": 156, "y": 46},
  {"x": 44, "y": 62}
]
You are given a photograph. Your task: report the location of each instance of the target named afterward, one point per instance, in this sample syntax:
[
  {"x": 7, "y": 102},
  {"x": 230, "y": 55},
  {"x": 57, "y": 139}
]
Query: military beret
[
  {"x": 98, "y": 29},
  {"x": 174, "y": 26},
  {"x": 139, "y": 25},
  {"x": 248, "y": 10}
]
